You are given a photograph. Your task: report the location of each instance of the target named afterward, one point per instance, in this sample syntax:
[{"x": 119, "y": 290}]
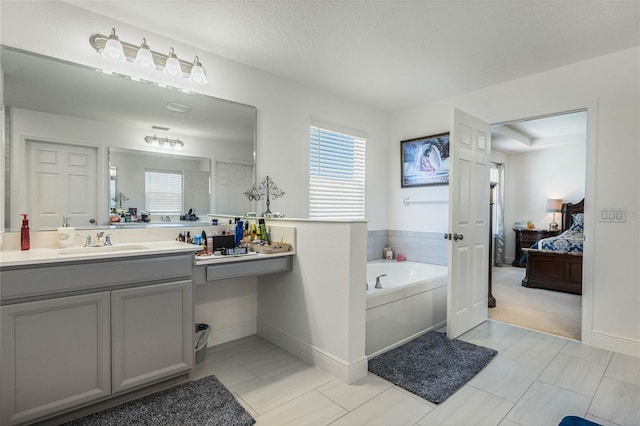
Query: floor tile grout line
[{"x": 600, "y": 384}]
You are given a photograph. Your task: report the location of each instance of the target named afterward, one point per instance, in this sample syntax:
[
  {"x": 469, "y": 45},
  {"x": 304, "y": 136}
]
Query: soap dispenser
[
  {"x": 66, "y": 234},
  {"x": 24, "y": 234}
]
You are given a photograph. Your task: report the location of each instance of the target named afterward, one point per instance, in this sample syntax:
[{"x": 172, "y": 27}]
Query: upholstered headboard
[{"x": 567, "y": 213}]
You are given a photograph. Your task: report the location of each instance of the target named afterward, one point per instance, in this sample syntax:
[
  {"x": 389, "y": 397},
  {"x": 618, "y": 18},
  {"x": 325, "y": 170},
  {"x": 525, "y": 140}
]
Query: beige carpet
[{"x": 543, "y": 310}]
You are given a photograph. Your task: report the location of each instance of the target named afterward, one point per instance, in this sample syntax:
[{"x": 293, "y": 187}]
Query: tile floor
[{"x": 536, "y": 379}]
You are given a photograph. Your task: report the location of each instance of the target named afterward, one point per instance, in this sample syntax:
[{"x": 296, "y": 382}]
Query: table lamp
[{"x": 554, "y": 205}]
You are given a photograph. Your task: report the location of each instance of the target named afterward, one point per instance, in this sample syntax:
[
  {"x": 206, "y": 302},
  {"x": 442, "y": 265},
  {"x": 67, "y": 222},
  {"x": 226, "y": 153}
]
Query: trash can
[{"x": 201, "y": 338}]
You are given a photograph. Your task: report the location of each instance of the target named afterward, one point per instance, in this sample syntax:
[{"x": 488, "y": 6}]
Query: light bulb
[
  {"x": 113, "y": 48},
  {"x": 198, "y": 75},
  {"x": 144, "y": 57},
  {"x": 172, "y": 66}
]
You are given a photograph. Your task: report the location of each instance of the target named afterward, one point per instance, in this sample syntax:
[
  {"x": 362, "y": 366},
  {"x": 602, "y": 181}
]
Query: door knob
[
  {"x": 447, "y": 236},
  {"x": 457, "y": 237}
]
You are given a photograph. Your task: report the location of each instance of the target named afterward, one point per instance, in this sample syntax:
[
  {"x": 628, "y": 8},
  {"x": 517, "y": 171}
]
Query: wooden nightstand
[{"x": 525, "y": 238}]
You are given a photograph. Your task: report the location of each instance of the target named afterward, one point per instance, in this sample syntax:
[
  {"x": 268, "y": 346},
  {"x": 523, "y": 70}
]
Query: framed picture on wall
[{"x": 425, "y": 161}]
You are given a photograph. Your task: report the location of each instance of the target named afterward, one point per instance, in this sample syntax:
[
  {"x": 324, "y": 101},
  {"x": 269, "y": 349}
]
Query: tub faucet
[{"x": 378, "y": 285}]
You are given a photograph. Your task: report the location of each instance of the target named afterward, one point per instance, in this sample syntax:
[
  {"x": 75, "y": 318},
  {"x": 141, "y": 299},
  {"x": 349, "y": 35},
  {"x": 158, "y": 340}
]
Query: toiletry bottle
[
  {"x": 66, "y": 234},
  {"x": 263, "y": 231},
  {"x": 390, "y": 254},
  {"x": 239, "y": 232},
  {"x": 25, "y": 243}
]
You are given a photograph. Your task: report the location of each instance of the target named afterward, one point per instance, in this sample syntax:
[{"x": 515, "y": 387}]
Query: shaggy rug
[
  {"x": 200, "y": 402},
  {"x": 432, "y": 366}
]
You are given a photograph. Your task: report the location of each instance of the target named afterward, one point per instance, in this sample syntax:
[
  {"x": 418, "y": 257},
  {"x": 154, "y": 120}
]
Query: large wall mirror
[{"x": 78, "y": 142}]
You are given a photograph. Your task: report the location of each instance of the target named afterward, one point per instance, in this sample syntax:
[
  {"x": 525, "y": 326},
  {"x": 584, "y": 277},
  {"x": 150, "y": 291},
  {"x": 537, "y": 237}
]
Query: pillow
[{"x": 577, "y": 222}]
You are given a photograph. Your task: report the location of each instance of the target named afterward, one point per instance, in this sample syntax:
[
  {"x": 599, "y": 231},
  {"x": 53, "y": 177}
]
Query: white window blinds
[
  {"x": 163, "y": 192},
  {"x": 336, "y": 175}
]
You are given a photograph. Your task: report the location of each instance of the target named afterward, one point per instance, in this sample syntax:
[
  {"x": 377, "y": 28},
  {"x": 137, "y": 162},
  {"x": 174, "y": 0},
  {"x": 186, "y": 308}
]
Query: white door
[
  {"x": 196, "y": 192},
  {"x": 470, "y": 148},
  {"x": 62, "y": 182},
  {"x": 232, "y": 181}
]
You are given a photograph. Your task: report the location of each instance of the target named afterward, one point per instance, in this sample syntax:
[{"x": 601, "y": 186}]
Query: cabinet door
[
  {"x": 55, "y": 355},
  {"x": 152, "y": 329}
]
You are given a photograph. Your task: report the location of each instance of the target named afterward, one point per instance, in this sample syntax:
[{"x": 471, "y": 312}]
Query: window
[
  {"x": 336, "y": 175},
  {"x": 163, "y": 192}
]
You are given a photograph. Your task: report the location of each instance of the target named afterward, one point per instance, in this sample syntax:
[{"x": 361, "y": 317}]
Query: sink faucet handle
[
  {"x": 107, "y": 239},
  {"x": 87, "y": 239}
]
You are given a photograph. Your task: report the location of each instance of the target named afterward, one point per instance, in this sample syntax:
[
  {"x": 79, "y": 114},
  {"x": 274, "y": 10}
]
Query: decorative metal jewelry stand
[{"x": 266, "y": 188}]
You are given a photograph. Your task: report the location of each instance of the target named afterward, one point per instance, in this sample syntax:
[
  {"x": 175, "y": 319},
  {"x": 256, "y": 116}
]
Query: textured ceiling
[{"x": 391, "y": 54}]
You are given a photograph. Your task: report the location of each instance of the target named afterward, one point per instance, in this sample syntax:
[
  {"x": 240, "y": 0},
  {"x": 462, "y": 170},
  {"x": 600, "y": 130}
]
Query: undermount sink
[{"x": 102, "y": 249}]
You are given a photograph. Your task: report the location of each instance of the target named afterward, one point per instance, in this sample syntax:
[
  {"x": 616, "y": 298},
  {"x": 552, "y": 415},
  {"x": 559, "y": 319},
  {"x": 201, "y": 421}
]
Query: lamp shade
[
  {"x": 172, "y": 66},
  {"x": 144, "y": 57},
  {"x": 554, "y": 205},
  {"x": 198, "y": 75}
]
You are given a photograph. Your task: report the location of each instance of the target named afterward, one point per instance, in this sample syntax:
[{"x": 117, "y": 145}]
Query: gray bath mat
[
  {"x": 432, "y": 366},
  {"x": 198, "y": 403}
]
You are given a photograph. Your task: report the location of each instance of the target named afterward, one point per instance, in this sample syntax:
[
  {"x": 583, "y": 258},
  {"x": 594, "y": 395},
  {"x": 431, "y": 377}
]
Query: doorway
[
  {"x": 62, "y": 183},
  {"x": 544, "y": 158}
]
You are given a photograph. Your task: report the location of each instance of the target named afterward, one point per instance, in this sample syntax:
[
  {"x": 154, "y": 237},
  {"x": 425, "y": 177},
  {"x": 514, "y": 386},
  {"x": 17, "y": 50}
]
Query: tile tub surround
[{"x": 424, "y": 247}]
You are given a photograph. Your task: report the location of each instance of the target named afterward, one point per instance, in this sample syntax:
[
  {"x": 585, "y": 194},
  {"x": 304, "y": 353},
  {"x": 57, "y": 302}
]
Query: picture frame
[{"x": 425, "y": 161}]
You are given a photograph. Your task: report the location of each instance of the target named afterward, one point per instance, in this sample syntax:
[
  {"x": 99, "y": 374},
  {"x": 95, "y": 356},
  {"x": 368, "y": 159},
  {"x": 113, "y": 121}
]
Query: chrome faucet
[
  {"x": 87, "y": 240},
  {"x": 378, "y": 285},
  {"x": 99, "y": 241}
]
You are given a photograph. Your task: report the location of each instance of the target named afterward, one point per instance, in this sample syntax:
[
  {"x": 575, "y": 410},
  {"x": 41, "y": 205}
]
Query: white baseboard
[
  {"x": 615, "y": 343},
  {"x": 407, "y": 339},
  {"x": 341, "y": 369},
  {"x": 239, "y": 331}
]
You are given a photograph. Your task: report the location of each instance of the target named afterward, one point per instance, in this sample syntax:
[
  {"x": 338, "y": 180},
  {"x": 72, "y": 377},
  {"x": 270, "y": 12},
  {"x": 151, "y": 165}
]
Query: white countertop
[
  {"x": 53, "y": 255},
  {"x": 207, "y": 260}
]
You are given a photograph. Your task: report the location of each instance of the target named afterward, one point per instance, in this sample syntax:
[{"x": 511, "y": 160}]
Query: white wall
[
  {"x": 284, "y": 110},
  {"x": 317, "y": 311},
  {"x": 284, "y": 107},
  {"x": 610, "y": 88},
  {"x": 533, "y": 177}
]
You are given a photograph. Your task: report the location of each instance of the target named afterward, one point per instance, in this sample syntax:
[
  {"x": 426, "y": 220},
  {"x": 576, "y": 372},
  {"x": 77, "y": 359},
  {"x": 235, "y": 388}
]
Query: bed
[{"x": 556, "y": 263}]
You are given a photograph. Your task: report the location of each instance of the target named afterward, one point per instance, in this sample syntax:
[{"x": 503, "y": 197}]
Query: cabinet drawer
[
  {"x": 246, "y": 268},
  {"x": 37, "y": 281}
]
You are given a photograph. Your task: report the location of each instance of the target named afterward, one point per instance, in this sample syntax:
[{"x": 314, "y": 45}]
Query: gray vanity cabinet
[
  {"x": 152, "y": 333},
  {"x": 77, "y": 333},
  {"x": 56, "y": 354}
]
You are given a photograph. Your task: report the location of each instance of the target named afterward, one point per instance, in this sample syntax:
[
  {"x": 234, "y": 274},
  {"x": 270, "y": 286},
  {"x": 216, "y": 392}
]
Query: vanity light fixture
[
  {"x": 198, "y": 75},
  {"x": 110, "y": 47},
  {"x": 113, "y": 49},
  {"x": 144, "y": 57},
  {"x": 164, "y": 142},
  {"x": 172, "y": 65}
]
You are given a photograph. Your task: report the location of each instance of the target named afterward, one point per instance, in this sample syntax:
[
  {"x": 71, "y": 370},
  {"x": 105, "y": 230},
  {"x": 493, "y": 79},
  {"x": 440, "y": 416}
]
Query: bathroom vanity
[
  {"x": 90, "y": 325},
  {"x": 80, "y": 328}
]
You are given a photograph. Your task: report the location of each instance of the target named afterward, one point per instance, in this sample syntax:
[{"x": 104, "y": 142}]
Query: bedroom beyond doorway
[{"x": 543, "y": 159}]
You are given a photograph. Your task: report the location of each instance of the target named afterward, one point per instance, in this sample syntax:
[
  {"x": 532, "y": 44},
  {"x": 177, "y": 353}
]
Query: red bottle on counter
[{"x": 24, "y": 234}]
